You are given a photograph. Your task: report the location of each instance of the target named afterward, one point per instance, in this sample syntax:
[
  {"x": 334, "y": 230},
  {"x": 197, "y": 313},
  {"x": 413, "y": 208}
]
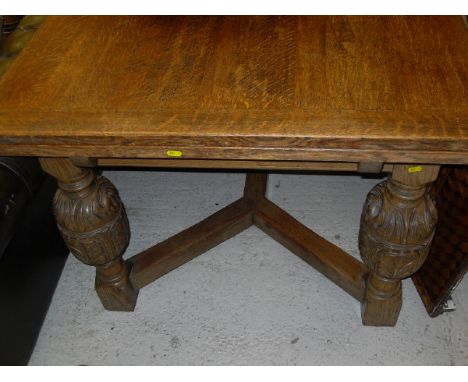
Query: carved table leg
[
  {"x": 397, "y": 227},
  {"x": 94, "y": 225}
]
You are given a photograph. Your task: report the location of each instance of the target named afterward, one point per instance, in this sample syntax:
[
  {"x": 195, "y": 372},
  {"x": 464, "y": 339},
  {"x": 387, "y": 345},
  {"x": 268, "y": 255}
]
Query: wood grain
[
  {"x": 349, "y": 89},
  {"x": 415, "y": 176},
  {"x": 233, "y": 164}
]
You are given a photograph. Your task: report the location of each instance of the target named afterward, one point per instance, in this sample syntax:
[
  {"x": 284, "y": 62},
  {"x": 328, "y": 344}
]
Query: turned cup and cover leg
[
  {"x": 94, "y": 225},
  {"x": 397, "y": 226}
]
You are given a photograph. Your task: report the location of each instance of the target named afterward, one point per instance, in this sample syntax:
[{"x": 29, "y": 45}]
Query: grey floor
[{"x": 247, "y": 301}]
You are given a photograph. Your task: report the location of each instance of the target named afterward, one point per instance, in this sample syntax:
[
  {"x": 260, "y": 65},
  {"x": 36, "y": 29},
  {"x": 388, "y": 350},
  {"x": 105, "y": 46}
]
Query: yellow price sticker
[
  {"x": 414, "y": 169},
  {"x": 174, "y": 153}
]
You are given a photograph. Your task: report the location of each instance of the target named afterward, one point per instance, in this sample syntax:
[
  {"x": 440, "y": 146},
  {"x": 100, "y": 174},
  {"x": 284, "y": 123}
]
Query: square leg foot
[
  {"x": 119, "y": 297},
  {"x": 381, "y": 307},
  {"x": 115, "y": 291}
]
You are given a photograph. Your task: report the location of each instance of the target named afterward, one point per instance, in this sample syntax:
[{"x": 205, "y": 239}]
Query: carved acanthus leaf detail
[
  {"x": 95, "y": 227},
  {"x": 397, "y": 227}
]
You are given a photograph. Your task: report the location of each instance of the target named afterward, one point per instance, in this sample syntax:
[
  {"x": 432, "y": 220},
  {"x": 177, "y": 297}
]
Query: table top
[{"x": 391, "y": 89}]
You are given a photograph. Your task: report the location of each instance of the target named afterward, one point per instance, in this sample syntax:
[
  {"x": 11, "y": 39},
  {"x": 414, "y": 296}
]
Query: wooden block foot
[
  {"x": 113, "y": 288},
  {"x": 382, "y": 302}
]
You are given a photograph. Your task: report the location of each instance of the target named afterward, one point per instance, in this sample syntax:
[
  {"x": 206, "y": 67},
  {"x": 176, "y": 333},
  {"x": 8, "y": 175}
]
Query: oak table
[{"x": 364, "y": 94}]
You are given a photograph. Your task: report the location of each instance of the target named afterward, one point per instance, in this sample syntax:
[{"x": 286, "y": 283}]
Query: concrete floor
[{"x": 247, "y": 301}]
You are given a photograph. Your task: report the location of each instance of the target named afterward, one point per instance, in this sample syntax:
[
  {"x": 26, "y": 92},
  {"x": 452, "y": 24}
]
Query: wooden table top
[{"x": 390, "y": 89}]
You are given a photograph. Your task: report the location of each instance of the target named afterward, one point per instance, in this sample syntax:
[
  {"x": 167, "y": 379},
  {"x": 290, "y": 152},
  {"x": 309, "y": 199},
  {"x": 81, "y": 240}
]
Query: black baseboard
[{"x": 29, "y": 271}]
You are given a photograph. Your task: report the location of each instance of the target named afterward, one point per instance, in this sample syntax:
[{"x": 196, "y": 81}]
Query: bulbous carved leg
[
  {"x": 94, "y": 225},
  {"x": 397, "y": 226}
]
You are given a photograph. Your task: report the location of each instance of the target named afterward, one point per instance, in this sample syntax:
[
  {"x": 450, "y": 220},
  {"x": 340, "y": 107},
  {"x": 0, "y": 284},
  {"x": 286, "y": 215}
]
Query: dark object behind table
[
  {"x": 32, "y": 260},
  {"x": 447, "y": 261},
  {"x": 19, "y": 180},
  {"x": 8, "y": 24}
]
